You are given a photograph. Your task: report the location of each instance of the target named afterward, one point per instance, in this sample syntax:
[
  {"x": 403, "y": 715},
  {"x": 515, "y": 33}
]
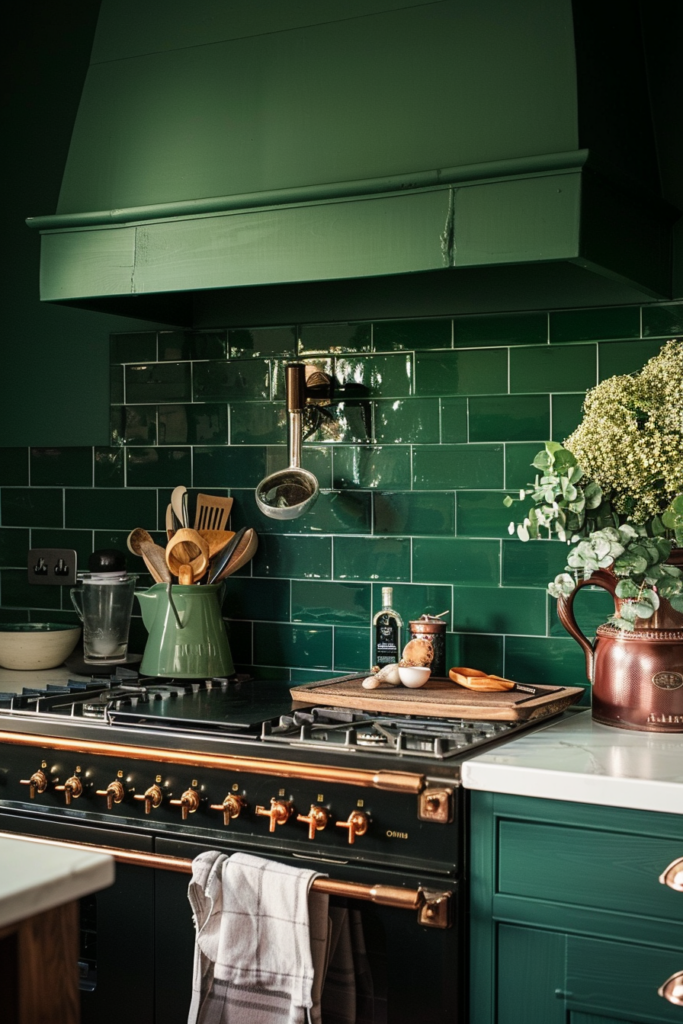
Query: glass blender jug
[{"x": 104, "y": 602}]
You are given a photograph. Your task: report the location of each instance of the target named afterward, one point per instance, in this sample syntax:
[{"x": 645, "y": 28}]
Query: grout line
[
  {"x": 640, "y": 321},
  {"x": 597, "y": 364},
  {"x": 508, "y": 365},
  {"x": 551, "y": 424},
  {"x": 547, "y": 336}
]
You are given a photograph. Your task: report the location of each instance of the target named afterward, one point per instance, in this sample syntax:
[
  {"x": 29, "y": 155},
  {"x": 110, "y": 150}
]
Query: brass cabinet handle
[
  {"x": 188, "y": 803},
  {"x": 673, "y": 875},
  {"x": 316, "y": 819},
  {"x": 72, "y": 789},
  {"x": 36, "y": 784},
  {"x": 152, "y": 797},
  {"x": 356, "y": 823},
  {"x": 280, "y": 812},
  {"x": 114, "y": 793},
  {"x": 231, "y": 807},
  {"x": 672, "y": 989}
]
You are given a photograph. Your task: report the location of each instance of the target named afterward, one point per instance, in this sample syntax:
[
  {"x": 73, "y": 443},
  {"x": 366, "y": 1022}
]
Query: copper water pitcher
[{"x": 637, "y": 675}]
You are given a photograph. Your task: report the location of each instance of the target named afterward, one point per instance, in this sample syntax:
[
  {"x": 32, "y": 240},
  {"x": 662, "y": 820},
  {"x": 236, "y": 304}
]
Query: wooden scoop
[
  {"x": 474, "y": 679},
  {"x": 141, "y": 543},
  {"x": 186, "y": 547}
]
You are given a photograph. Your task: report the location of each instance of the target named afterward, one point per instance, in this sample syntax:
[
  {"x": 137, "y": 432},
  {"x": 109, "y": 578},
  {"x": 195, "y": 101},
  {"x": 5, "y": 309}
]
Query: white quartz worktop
[
  {"x": 35, "y": 877},
  {"x": 579, "y": 760}
]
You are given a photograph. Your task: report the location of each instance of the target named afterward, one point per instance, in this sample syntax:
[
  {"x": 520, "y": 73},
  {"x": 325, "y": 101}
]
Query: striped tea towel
[{"x": 261, "y": 941}]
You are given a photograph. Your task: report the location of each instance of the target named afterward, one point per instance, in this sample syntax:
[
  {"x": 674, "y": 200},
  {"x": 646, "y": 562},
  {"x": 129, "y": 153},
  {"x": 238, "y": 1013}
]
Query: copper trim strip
[
  {"x": 396, "y": 782},
  {"x": 673, "y": 875},
  {"x": 385, "y": 895}
]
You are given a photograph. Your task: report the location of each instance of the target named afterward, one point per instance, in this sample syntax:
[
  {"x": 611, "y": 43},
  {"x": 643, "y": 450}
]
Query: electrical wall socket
[{"x": 52, "y": 567}]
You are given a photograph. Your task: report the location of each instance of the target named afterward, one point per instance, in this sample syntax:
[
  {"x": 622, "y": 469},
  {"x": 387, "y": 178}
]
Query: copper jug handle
[{"x": 565, "y": 613}]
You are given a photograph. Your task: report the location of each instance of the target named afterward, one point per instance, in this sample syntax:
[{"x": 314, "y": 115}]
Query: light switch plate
[{"x": 52, "y": 567}]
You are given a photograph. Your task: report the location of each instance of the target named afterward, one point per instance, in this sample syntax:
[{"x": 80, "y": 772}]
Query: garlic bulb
[
  {"x": 371, "y": 682},
  {"x": 389, "y": 674}
]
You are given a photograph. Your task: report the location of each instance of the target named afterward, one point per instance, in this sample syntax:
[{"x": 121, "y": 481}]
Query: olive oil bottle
[{"x": 388, "y": 625}]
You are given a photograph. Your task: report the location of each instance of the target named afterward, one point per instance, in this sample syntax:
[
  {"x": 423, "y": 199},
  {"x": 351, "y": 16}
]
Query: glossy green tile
[
  {"x": 453, "y": 420},
  {"x": 209, "y": 345},
  {"x": 407, "y": 421},
  {"x": 518, "y": 469},
  {"x": 377, "y": 376},
  {"x": 116, "y": 392},
  {"x": 533, "y": 564},
  {"x": 254, "y": 423},
  {"x": 158, "y": 467},
  {"x": 262, "y": 342},
  {"x": 174, "y": 345},
  {"x": 18, "y": 615},
  {"x": 408, "y": 513},
  {"x": 61, "y": 467},
  {"x": 134, "y": 424},
  {"x": 499, "y": 610},
  {"x": 475, "y": 650},
  {"x": 159, "y": 382},
  {"x": 483, "y": 514},
  {"x": 467, "y": 372},
  {"x": 451, "y": 560},
  {"x": 17, "y": 592},
  {"x": 592, "y": 607},
  {"x": 413, "y": 600},
  {"x": 567, "y": 411},
  {"x": 625, "y": 356},
  {"x": 593, "y": 324},
  {"x": 322, "y": 363},
  {"x": 393, "y": 335},
  {"x": 510, "y": 418},
  {"x": 278, "y": 644},
  {"x": 241, "y": 380},
  {"x": 109, "y": 467},
  {"x": 334, "y": 512},
  {"x": 372, "y": 558},
  {"x": 14, "y": 464},
  {"x": 510, "y": 329},
  {"x": 240, "y": 640},
  {"x": 38, "y": 506},
  {"x": 97, "y": 509},
  {"x": 14, "y": 544},
  {"x": 80, "y": 541},
  {"x": 342, "y": 423},
  {"x": 663, "y": 320},
  {"x": 267, "y": 600},
  {"x": 468, "y": 466},
  {"x": 203, "y": 423},
  {"x": 307, "y": 558},
  {"x": 549, "y": 660},
  {"x": 386, "y": 467},
  {"x": 352, "y": 650},
  {"x": 236, "y": 466},
  {"x": 133, "y": 348},
  {"x": 552, "y": 368},
  {"x": 343, "y": 604},
  {"x": 334, "y": 339}
]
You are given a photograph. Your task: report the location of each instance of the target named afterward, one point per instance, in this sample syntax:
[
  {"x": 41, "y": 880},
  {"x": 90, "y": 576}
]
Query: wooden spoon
[
  {"x": 243, "y": 553},
  {"x": 141, "y": 543},
  {"x": 212, "y": 513},
  {"x": 179, "y": 505},
  {"x": 474, "y": 679},
  {"x": 216, "y": 539},
  {"x": 185, "y": 575}
]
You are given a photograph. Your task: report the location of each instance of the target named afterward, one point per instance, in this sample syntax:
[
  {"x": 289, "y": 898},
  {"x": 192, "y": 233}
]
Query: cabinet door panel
[
  {"x": 588, "y": 868},
  {"x": 591, "y": 1018},
  {"x": 531, "y": 966}
]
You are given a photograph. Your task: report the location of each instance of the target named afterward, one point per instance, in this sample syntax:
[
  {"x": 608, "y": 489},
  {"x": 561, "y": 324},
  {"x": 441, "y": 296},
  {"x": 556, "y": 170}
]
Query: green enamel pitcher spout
[{"x": 187, "y": 637}]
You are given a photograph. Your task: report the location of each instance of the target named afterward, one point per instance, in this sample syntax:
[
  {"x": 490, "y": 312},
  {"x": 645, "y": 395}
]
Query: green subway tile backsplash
[{"x": 432, "y": 422}]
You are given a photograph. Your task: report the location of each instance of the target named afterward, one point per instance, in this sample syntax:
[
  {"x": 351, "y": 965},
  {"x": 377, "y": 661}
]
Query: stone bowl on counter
[{"x": 36, "y": 645}]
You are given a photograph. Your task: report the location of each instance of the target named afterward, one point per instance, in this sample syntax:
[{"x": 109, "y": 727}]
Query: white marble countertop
[
  {"x": 35, "y": 877},
  {"x": 579, "y": 760}
]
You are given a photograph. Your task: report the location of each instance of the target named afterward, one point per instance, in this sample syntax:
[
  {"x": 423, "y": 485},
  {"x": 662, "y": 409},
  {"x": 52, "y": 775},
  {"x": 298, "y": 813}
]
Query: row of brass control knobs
[{"x": 279, "y": 812}]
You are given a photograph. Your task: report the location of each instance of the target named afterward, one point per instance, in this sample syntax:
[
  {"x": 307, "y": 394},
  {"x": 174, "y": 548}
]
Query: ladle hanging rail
[{"x": 433, "y": 908}]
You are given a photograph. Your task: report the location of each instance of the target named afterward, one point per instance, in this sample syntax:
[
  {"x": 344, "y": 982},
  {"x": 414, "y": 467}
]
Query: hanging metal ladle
[{"x": 290, "y": 492}]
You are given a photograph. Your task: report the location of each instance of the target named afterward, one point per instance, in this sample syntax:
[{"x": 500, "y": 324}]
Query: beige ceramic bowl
[{"x": 36, "y": 645}]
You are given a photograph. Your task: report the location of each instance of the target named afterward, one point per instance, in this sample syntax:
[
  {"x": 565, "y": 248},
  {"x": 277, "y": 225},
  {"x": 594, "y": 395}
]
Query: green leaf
[
  {"x": 677, "y": 603},
  {"x": 508, "y": 501},
  {"x": 542, "y": 461},
  {"x": 553, "y": 446},
  {"x": 593, "y": 495},
  {"x": 626, "y": 588},
  {"x": 575, "y": 474},
  {"x": 621, "y": 623},
  {"x": 628, "y": 612},
  {"x": 627, "y": 531},
  {"x": 644, "y": 610}
]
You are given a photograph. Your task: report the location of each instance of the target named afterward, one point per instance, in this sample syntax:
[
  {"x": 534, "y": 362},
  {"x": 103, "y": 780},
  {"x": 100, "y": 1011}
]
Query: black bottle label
[{"x": 386, "y": 640}]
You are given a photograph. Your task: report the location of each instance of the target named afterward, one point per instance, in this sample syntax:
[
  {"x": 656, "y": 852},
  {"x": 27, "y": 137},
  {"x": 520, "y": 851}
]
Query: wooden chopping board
[{"x": 438, "y": 698}]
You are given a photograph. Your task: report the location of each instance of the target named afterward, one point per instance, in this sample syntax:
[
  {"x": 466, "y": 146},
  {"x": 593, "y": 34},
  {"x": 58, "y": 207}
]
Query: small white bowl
[
  {"x": 413, "y": 675},
  {"x": 36, "y": 645}
]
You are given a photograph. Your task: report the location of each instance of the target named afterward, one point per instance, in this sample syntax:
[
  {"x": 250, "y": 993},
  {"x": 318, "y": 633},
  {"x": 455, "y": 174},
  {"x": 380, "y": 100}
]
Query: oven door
[{"x": 417, "y": 971}]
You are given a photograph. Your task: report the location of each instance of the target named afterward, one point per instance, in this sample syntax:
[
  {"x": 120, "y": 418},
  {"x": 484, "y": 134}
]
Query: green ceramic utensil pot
[{"x": 187, "y": 638}]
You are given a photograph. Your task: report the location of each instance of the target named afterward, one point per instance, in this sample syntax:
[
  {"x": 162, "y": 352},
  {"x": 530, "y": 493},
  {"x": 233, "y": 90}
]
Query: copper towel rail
[{"x": 433, "y": 907}]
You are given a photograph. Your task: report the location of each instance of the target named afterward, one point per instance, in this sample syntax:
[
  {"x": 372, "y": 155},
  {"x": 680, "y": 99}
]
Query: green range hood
[{"x": 221, "y": 145}]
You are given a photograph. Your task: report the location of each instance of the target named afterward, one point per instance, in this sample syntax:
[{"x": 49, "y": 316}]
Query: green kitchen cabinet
[{"x": 569, "y": 921}]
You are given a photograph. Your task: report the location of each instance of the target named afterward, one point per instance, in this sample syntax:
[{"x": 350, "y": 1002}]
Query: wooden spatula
[
  {"x": 216, "y": 539},
  {"x": 212, "y": 513}
]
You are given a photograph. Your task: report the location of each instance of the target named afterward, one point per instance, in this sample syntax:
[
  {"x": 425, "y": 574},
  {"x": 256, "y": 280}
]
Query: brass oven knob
[
  {"x": 36, "y": 784},
  {"x": 316, "y": 819},
  {"x": 114, "y": 793},
  {"x": 152, "y": 797},
  {"x": 356, "y": 823},
  {"x": 188, "y": 803},
  {"x": 279, "y": 813},
  {"x": 231, "y": 807},
  {"x": 72, "y": 789}
]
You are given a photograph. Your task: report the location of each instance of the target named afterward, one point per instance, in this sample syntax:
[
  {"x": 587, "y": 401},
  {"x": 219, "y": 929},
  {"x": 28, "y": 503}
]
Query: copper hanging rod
[
  {"x": 396, "y": 782},
  {"x": 432, "y": 907}
]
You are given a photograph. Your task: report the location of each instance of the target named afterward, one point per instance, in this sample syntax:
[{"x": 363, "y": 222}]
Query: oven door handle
[{"x": 433, "y": 907}]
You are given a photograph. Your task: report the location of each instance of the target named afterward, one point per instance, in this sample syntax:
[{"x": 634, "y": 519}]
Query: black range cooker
[{"x": 158, "y": 771}]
